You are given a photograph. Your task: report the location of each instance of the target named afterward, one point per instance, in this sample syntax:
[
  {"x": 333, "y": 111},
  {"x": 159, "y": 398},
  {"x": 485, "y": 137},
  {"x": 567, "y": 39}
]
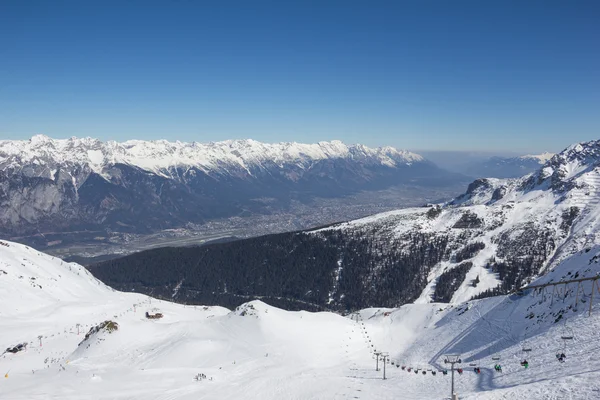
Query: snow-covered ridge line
[
  {"x": 162, "y": 154},
  {"x": 541, "y": 158}
]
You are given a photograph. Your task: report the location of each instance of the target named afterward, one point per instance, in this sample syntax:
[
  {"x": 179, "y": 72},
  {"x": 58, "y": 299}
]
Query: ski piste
[{"x": 261, "y": 352}]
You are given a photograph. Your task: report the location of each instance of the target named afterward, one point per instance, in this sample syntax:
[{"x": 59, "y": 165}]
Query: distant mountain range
[
  {"x": 505, "y": 167},
  {"x": 76, "y": 184},
  {"x": 497, "y": 236}
]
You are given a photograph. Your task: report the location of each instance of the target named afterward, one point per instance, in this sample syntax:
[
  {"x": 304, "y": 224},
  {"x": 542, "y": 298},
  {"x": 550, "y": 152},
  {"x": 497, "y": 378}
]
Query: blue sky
[{"x": 476, "y": 75}]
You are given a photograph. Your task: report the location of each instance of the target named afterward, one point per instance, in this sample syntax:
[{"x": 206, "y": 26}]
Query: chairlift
[
  {"x": 567, "y": 333},
  {"x": 561, "y": 356},
  {"x": 424, "y": 372},
  {"x": 416, "y": 371},
  {"x": 525, "y": 348},
  {"x": 460, "y": 371},
  {"x": 433, "y": 373},
  {"x": 497, "y": 366},
  {"x": 403, "y": 367},
  {"x": 409, "y": 369},
  {"x": 445, "y": 372}
]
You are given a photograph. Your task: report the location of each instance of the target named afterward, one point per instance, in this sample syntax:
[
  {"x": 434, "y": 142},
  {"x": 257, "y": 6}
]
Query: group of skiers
[{"x": 498, "y": 368}]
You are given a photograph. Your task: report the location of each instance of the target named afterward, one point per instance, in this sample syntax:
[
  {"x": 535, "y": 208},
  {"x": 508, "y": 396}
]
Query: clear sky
[{"x": 477, "y": 75}]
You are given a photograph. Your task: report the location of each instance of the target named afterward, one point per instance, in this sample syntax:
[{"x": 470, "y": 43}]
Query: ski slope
[{"x": 261, "y": 352}]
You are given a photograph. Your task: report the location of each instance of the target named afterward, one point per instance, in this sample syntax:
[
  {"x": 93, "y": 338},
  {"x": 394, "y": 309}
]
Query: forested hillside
[{"x": 327, "y": 269}]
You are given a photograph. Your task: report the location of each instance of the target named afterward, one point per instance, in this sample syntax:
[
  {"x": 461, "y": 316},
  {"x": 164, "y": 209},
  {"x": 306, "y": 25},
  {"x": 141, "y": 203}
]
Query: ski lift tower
[
  {"x": 384, "y": 357},
  {"x": 452, "y": 359},
  {"x": 377, "y": 355}
]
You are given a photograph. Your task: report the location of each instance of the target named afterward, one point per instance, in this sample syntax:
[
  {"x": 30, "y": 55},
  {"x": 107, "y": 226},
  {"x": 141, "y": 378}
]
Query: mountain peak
[
  {"x": 39, "y": 139},
  {"x": 161, "y": 155}
]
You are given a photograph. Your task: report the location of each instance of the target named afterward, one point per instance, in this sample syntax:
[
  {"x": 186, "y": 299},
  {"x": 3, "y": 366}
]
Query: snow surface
[
  {"x": 540, "y": 158},
  {"x": 261, "y": 352},
  {"x": 159, "y": 156}
]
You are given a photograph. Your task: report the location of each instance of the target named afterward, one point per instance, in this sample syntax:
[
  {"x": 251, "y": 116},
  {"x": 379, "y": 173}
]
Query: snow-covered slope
[
  {"x": 260, "y": 352},
  {"x": 541, "y": 158},
  {"x": 419, "y": 336}
]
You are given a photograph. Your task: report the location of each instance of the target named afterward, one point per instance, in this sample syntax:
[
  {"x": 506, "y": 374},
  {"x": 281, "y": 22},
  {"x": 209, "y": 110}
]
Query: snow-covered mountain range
[
  {"x": 49, "y": 185},
  {"x": 505, "y": 167},
  {"x": 498, "y": 236},
  {"x": 79, "y": 339},
  {"x": 44, "y": 155}
]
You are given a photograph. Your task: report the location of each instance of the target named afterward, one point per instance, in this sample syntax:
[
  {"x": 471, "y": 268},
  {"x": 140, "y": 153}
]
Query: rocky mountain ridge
[{"x": 49, "y": 185}]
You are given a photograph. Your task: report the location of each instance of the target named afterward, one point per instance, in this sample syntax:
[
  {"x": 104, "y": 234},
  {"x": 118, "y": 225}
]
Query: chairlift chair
[
  {"x": 526, "y": 349},
  {"x": 433, "y": 373},
  {"x": 567, "y": 333}
]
